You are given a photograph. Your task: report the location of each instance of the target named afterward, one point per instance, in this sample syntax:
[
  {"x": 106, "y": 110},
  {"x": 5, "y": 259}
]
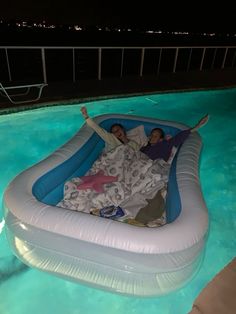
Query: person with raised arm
[
  {"x": 117, "y": 135},
  {"x": 160, "y": 147}
]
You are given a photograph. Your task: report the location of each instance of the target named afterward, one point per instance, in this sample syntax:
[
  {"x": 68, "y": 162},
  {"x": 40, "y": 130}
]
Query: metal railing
[{"x": 46, "y": 63}]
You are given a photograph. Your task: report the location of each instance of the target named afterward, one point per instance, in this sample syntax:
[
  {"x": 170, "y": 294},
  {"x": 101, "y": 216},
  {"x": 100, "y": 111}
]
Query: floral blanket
[{"x": 139, "y": 179}]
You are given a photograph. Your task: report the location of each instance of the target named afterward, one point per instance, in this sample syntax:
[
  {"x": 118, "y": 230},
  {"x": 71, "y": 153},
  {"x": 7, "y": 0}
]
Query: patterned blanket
[{"x": 139, "y": 179}]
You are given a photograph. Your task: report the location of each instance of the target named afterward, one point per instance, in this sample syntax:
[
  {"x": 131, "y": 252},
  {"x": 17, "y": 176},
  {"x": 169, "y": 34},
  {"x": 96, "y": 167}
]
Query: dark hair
[
  {"x": 117, "y": 124},
  {"x": 162, "y": 133}
]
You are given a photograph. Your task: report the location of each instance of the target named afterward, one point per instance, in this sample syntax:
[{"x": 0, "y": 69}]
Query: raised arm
[
  {"x": 84, "y": 112},
  {"x": 106, "y": 136},
  {"x": 100, "y": 131},
  {"x": 200, "y": 123},
  {"x": 182, "y": 136}
]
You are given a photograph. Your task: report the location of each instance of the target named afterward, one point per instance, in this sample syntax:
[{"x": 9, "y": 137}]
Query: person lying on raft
[
  {"x": 160, "y": 147},
  {"x": 115, "y": 137}
]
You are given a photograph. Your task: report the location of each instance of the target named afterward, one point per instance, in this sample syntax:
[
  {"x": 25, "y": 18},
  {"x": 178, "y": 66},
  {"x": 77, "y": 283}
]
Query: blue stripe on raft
[
  {"x": 49, "y": 188},
  {"x": 173, "y": 202}
]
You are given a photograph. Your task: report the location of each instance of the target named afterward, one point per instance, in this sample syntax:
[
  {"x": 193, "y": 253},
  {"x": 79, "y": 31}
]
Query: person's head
[
  {"x": 119, "y": 131},
  {"x": 156, "y": 135}
]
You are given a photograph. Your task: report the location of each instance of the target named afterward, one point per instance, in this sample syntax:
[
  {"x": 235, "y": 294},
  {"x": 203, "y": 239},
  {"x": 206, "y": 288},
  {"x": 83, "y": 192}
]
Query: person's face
[
  {"x": 118, "y": 132},
  {"x": 155, "y": 137}
]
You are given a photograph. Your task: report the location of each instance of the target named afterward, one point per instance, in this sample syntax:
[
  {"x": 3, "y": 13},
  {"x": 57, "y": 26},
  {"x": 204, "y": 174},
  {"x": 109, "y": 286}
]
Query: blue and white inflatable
[{"x": 101, "y": 252}]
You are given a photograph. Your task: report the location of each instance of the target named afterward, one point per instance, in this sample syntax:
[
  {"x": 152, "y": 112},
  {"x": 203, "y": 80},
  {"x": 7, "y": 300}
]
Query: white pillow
[
  {"x": 173, "y": 150},
  {"x": 172, "y": 155},
  {"x": 138, "y": 135}
]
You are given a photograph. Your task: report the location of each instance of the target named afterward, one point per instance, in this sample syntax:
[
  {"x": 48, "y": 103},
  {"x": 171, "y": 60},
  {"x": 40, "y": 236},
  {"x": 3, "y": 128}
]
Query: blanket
[{"x": 138, "y": 180}]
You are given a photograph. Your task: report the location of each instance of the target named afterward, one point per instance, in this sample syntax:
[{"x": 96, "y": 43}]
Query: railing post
[
  {"x": 73, "y": 56},
  {"x": 213, "y": 60},
  {"x": 44, "y": 66},
  {"x": 189, "y": 59},
  {"x": 234, "y": 58},
  {"x": 142, "y": 61},
  {"x": 203, "y": 55},
  {"x": 225, "y": 55},
  {"x": 99, "y": 63},
  {"x": 122, "y": 62},
  {"x": 176, "y": 57},
  {"x": 159, "y": 62},
  {"x": 8, "y": 66}
]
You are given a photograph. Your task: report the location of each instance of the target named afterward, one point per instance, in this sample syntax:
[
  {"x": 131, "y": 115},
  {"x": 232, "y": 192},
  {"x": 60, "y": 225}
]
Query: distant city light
[
  {"x": 47, "y": 25},
  {"x": 154, "y": 32},
  {"x": 78, "y": 28},
  {"x": 209, "y": 34}
]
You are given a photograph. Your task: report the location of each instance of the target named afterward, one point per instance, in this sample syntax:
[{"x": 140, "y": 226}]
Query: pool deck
[
  {"x": 218, "y": 297},
  {"x": 81, "y": 91}
]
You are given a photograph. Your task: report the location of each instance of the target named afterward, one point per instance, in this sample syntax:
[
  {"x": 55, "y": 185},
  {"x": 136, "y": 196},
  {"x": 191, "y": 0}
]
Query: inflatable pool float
[{"x": 100, "y": 252}]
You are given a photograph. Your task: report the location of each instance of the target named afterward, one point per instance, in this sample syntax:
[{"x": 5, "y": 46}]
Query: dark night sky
[{"x": 172, "y": 15}]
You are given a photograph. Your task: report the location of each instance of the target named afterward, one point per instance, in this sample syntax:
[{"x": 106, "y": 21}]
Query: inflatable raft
[{"x": 101, "y": 252}]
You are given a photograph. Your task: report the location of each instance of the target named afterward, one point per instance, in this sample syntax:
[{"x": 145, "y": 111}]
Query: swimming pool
[{"x": 29, "y": 136}]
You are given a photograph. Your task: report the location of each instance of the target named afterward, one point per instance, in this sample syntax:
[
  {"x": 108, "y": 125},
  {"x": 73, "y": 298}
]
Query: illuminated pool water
[{"x": 29, "y": 136}]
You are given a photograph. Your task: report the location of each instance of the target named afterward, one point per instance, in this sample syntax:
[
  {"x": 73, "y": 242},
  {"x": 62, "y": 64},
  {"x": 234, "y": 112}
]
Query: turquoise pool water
[{"x": 27, "y": 137}]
